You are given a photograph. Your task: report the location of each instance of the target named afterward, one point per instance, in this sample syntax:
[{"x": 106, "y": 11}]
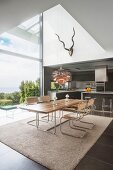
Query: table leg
[
  {"x": 37, "y": 120},
  {"x": 37, "y": 123},
  {"x": 55, "y": 122}
]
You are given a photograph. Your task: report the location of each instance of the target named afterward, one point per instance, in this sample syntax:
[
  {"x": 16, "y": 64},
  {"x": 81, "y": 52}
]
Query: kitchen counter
[
  {"x": 100, "y": 92},
  {"x": 65, "y": 91},
  {"x": 73, "y": 94},
  {"x": 99, "y": 96},
  {"x": 68, "y": 91}
]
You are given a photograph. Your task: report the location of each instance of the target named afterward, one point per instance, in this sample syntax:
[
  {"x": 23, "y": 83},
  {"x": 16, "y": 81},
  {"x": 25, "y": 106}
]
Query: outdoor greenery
[
  {"x": 55, "y": 86},
  {"x": 4, "y": 102},
  {"x": 9, "y": 98},
  {"x": 15, "y": 97},
  {"x": 27, "y": 89}
]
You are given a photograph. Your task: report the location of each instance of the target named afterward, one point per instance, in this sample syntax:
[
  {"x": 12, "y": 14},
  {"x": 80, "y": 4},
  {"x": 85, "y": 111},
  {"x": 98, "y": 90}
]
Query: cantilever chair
[
  {"x": 88, "y": 110},
  {"x": 75, "y": 115},
  {"x": 45, "y": 99},
  {"x": 32, "y": 100}
]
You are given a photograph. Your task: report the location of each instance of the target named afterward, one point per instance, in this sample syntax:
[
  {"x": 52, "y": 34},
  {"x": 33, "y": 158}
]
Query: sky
[{"x": 14, "y": 69}]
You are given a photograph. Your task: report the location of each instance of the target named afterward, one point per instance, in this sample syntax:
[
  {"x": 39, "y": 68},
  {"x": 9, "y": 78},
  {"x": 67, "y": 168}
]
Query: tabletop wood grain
[{"x": 50, "y": 106}]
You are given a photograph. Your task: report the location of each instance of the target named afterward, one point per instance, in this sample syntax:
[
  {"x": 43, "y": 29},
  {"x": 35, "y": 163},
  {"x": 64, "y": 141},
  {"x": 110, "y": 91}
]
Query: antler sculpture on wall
[{"x": 70, "y": 50}]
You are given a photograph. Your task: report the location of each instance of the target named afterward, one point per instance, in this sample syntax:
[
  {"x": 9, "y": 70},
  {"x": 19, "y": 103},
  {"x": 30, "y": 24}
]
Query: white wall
[{"x": 58, "y": 20}]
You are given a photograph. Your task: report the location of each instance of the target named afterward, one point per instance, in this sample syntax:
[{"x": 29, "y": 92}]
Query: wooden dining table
[{"x": 49, "y": 107}]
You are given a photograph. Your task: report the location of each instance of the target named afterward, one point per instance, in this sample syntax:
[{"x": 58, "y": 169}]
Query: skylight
[
  {"x": 18, "y": 45},
  {"x": 31, "y": 25},
  {"x": 35, "y": 29}
]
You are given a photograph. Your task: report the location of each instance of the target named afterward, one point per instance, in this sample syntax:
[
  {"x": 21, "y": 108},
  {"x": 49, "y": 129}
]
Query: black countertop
[{"x": 100, "y": 92}]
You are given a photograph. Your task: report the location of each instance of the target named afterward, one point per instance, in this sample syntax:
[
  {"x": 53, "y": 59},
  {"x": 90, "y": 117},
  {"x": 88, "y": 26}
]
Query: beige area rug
[{"x": 56, "y": 152}]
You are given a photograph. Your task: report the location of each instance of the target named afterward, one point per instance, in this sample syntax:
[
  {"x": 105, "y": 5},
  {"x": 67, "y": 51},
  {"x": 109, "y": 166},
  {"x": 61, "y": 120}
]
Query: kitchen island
[
  {"x": 81, "y": 94},
  {"x": 99, "y": 96},
  {"x": 73, "y": 94}
]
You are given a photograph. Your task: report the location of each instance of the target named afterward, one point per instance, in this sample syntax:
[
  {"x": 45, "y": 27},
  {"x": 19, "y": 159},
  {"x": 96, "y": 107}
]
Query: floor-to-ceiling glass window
[{"x": 21, "y": 56}]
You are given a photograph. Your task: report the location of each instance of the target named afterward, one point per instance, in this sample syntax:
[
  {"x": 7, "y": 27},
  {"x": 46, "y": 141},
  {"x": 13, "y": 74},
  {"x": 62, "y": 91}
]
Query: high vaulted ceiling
[
  {"x": 96, "y": 16},
  {"x": 14, "y": 12}
]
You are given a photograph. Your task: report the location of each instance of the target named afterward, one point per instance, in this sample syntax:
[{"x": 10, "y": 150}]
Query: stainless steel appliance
[
  {"x": 101, "y": 74},
  {"x": 101, "y": 78}
]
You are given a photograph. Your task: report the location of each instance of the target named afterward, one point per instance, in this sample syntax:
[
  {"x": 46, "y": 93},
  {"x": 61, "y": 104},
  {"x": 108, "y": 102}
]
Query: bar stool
[{"x": 107, "y": 107}]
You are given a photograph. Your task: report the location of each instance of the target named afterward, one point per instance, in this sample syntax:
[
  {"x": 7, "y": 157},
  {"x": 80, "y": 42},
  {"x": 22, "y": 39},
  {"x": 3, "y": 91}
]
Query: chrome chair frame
[
  {"x": 88, "y": 110},
  {"x": 45, "y": 99},
  {"x": 34, "y": 100},
  {"x": 81, "y": 112},
  {"x": 77, "y": 116}
]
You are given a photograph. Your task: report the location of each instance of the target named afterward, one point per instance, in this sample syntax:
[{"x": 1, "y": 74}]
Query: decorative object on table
[
  {"x": 70, "y": 50},
  {"x": 61, "y": 76},
  {"x": 67, "y": 97},
  {"x": 54, "y": 101}
]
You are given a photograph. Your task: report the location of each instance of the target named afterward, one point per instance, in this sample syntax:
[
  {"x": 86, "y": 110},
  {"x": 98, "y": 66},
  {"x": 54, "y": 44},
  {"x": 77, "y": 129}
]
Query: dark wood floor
[{"x": 99, "y": 157}]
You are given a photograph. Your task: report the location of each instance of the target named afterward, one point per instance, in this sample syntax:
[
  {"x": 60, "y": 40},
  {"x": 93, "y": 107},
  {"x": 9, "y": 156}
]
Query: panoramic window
[
  {"x": 21, "y": 60},
  {"x": 12, "y": 43}
]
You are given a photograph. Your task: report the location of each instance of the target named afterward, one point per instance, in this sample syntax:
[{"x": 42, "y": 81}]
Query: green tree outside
[{"x": 27, "y": 89}]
